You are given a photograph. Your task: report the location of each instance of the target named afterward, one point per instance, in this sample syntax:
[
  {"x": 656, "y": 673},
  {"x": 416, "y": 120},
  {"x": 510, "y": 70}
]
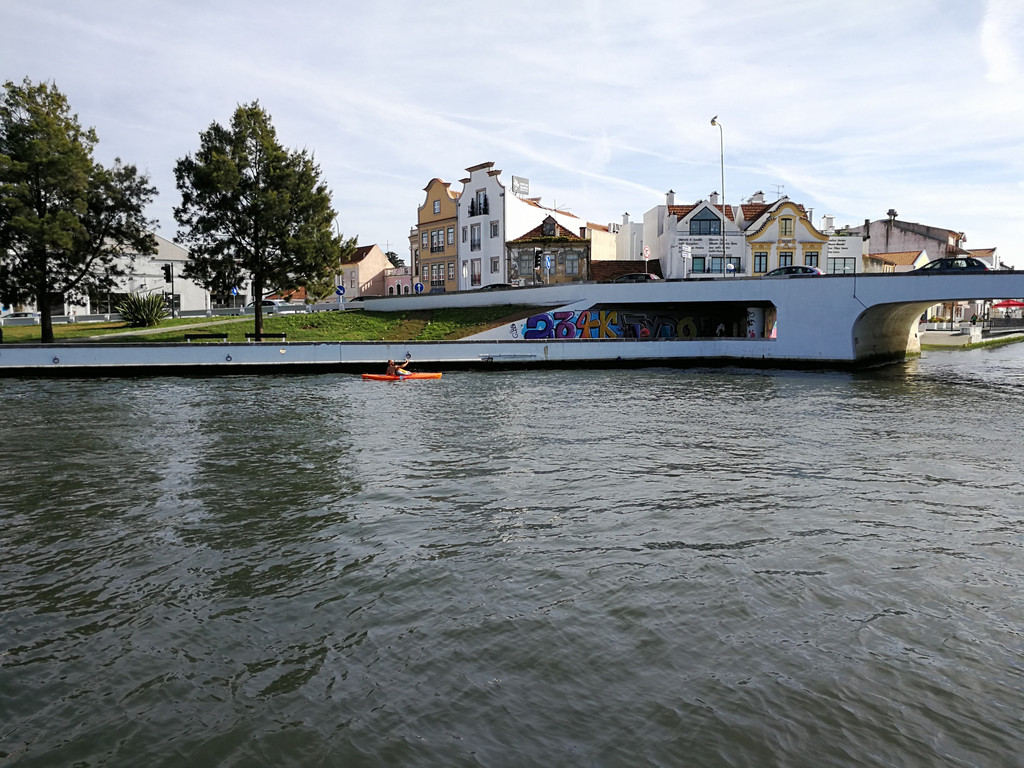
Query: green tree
[
  {"x": 68, "y": 225},
  {"x": 250, "y": 207},
  {"x": 324, "y": 286},
  {"x": 395, "y": 259}
]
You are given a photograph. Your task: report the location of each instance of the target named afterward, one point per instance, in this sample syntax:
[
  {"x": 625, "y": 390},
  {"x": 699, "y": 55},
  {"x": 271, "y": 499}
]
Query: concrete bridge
[{"x": 828, "y": 321}]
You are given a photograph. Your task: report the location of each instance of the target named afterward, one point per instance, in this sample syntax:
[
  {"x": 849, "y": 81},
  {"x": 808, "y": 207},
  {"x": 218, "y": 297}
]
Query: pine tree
[
  {"x": 250, "y": 207},
  {"x": 68, "y": 225}
]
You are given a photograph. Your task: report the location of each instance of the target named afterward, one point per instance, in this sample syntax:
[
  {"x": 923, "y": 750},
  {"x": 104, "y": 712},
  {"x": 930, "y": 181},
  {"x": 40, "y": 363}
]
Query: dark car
[
  {"x": 952, "y": 264},
  {"x": 495, "y": 287},
  {"x": 636, "y": 277},
  {"x": 793, "y": 270}
]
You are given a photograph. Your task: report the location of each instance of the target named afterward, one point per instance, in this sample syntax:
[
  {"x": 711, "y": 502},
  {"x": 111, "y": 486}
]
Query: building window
[
  {"x": 716, "y": 264},
  {"x": 474, "y": 237},
  {"x": 841, "y": 266},
  {"x": 451, "y": 270},
  {"x": 423, "y": 237},
  {"x": 437, "y": 241},
  {"x": 464, "y": 231},
  {"x": 811, "y": 259},
  {"x": 572, "y": 264},
  {"x": 706, "y": 223},
  {"x": 437, "y": 207},
  {"x": 523, "y": 265},
  {"x": 494, "y": 229},
  {"x": 698, "y": 264},
  {"x": 734, "y": 265},
  {"x": 495, "y": 265},
  {"x": 786, "y": 259},
  {"x": 475, "y": 267},
  {"x": 786, "y": 227},
  {"x": 425, "y": 272},
  {"x": 437, "y": 275},
  {"x": 451, "y": 235},
  {"x": 760, "y": 262},
  {"x": 479, "y": 205}
]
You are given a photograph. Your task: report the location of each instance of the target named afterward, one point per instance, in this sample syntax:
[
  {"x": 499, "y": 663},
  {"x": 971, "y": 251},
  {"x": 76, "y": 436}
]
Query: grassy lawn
[{"x": 352, "y": 325}]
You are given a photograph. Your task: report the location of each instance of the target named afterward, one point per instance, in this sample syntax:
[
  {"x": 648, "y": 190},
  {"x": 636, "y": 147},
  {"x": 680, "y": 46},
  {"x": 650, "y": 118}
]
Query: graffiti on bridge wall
[{"x": 608, "y": 324}]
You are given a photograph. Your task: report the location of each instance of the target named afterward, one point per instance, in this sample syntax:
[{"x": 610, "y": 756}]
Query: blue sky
[{"x": 848, "y": 108}]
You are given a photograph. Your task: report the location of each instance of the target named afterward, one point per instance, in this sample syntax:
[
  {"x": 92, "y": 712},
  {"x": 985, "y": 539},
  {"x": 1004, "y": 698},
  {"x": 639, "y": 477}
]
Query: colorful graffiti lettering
[{"x": 607, "y": 324}]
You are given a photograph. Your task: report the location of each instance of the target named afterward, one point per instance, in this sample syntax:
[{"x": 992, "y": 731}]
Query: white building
[
  {"x": 707, "y": 238},
  {"x": 159, "y": 273},
  {"x": 488, "y": 216}
]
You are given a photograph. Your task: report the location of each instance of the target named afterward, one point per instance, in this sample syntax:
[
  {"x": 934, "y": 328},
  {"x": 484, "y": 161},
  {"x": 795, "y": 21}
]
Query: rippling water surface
[{"x": 592, "y": 568}]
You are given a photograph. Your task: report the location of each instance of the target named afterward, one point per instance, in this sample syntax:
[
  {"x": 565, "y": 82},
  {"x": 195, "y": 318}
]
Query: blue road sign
[
  {"x": 418, "y": 287},
  {"x": 339, "y": 291}
]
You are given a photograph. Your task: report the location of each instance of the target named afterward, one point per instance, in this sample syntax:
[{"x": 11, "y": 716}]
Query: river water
[{"x": 567, "y": 568}]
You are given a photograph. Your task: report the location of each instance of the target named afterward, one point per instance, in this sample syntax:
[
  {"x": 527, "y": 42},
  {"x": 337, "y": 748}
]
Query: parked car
[
  {"x": 273, "y": 305},
  {"x": 495, "y": 287},
  {"x": 636, "y": 277},
  {"x": 952, "y": 264},
  {"x": 793, "y": 270},
  {"x": 21, "y": 314}
]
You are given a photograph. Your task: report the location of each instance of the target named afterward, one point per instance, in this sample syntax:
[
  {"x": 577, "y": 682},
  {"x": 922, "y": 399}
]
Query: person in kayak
[{"x": 395, "y": 369}]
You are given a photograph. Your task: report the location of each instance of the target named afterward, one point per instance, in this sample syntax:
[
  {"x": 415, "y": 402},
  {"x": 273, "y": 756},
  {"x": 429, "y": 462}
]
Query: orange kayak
[{"x": 400, "y": 377}]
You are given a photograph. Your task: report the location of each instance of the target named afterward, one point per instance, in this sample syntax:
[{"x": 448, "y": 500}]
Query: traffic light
[
  {"x": 167, "y": 272},
  {"x": 536, "y": 260}
]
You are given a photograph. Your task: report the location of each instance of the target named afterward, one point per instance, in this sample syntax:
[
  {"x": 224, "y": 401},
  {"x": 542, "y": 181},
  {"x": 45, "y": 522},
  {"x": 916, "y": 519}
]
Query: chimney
[
  {"x": 828, "y": 223},
  {"x": 757, "y": 197},
  {"x": 670, "y": 198},
  {"x": 625, "y": 218},
  {"x": 713, "y": 198}
]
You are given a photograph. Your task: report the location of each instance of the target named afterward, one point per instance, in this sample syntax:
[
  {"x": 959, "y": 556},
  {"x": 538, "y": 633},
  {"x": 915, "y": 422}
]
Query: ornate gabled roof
[
  {"x": 537, "y": 234},
  {"x": 447, "y": 186}
]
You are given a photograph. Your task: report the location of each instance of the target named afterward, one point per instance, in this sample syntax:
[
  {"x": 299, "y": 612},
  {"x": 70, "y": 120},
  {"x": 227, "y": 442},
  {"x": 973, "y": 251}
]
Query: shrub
[{"x": 143, "y": 311}]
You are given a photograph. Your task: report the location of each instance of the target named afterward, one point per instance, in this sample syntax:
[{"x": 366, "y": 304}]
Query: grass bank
[
  {"x": 1000, "y": 342},
  {"x": 352, "y": 325}
]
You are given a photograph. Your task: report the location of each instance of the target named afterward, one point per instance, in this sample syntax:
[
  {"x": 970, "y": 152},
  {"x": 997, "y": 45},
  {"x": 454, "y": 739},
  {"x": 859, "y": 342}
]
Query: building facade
[
  {"x": 549, "y": 253},
  {"x": 488, "y": 217},
  {"x": 433, "y": 250},
  {"x": 363, "y": 274}
]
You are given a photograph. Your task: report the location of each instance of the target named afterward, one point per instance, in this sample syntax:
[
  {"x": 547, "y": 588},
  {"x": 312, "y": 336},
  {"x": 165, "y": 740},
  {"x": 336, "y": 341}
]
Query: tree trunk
[
  {"x": 257, "y": 303},
  {"x": 45, "y": 318}
]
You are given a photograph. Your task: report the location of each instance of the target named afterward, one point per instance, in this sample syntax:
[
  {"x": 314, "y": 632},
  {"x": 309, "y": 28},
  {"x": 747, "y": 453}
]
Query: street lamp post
[{"x": 721, "y": 141}]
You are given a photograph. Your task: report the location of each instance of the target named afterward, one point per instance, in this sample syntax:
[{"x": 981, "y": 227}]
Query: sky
[{"x": 849, "y": 109}]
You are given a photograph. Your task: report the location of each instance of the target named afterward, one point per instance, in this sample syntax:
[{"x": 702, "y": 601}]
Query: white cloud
[
  {"x": 851, "y": 109},
  {"x": 1002, "y": 38}
]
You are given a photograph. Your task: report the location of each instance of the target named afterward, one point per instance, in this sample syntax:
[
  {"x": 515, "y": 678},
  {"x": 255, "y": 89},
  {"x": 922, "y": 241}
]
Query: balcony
[{"x": 479, "y": 209}]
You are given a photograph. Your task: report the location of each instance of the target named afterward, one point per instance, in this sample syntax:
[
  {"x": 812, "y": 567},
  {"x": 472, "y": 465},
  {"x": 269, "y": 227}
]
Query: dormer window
[
  {"x": 437, "y": 207},
  {"x": 706, "y": 223},
  {"x": 548, "y": 227},
  {"x": 785, "y": 227}
]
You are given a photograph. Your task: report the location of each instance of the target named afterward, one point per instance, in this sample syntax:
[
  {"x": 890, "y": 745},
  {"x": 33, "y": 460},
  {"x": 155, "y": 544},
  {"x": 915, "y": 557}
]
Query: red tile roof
[
  {"x": 681, "y": 211},
  {"x": 899, "y": 258},
  {"x": 360, "y": 253}
]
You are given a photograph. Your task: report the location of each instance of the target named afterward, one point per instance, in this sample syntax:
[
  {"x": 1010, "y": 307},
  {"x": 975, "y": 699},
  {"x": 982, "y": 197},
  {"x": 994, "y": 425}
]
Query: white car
[{"x": 269, "y": 306}]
